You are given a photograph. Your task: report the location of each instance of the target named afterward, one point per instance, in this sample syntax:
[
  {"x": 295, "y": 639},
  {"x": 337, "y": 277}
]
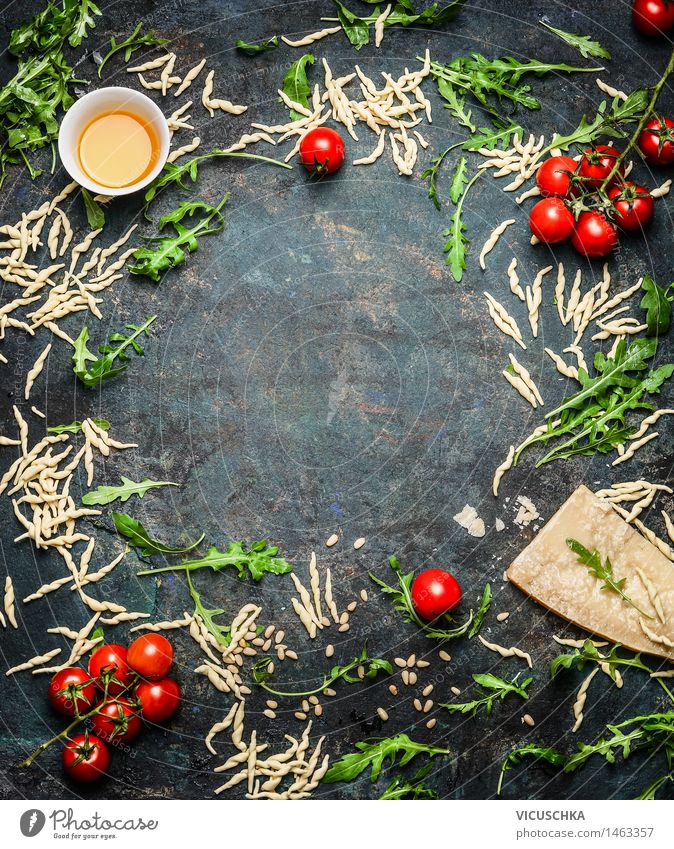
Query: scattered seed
[
  {"x": 272, "y": 704},
  {"x": 258, "y": 641},
  {"x": 456, "y": 691},
  {"x": 299, "y": 715},
  {"x": 393, "y": 690},
  {"x": 344, "y": 618},
  {"x": 431, "y": 723},
  {"x": 249, "y": 651},
  {"x": 329, "y": 692},
  {"x": 417, "y": 705},
  {"x": 343, "y": 628},
  {"x": 279, "y": 637},
  {"x": 364, "y": 595},
  {"x": 269, "y": 714},
  {"x": 326, "y": 622},
  {"x": 427, "y": 690},
  {"x": 329, "y": 650},
  {"x": 281, "y": 652},
  {"x": 411, "y": 660},
  {"x": 352, "y": 606},
  {"x": 428, "y": 704},
  {"x": 266, "y": 645},
  {"x": 318, "y": 710},
  {"x": 405, "y": 675},
  {"x": 400, "y": 662},
  {"x": 313, "y": 700},
  {"x": 361, "y": 672},
  {"x": 269, "y": 631},
  {"x": 412, "y": 677},
  {"x": 444, "y": 655},
  {"x": 305, "y": 705},
  {"x": 291, "y": 654},
  {"x": 528, "y": 720},
  {"x": 422, "y": 664},
  {"x": 501, "y": 617},
  {"x": 382, "y": 714},
  {"x": 332, "y": 540},
  {"x": 359, "y": 543},
  {"x": 270, "y": 667}
]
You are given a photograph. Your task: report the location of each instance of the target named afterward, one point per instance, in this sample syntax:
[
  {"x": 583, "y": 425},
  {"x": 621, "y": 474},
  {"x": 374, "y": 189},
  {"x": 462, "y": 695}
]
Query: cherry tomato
[
  {"x": 85, "y": 757},
  {"x": 108, "y": 663},
  {"x": 633, "y": 205},
  {"x": 597, "y": 163},
  {"x": 593, "y": 235},
  {"x": 551, "y": 220},
  {"x": 71, "y": 691},
  {"x": 653, "y": 17},
  {"x": 322, "y": 151},
  {"x": 150, "y": 656},
  {"x": 158, "y": 699},
  {"x": 656, "y": 142},
  {"x": 553, "y": 178},
  {"x": 117, "y": 722},
  {"x": 435, "y": 592}
]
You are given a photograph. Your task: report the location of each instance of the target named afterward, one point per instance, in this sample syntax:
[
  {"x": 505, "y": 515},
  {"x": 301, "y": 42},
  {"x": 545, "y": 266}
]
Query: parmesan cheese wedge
[{"x": 549, "y": 572}]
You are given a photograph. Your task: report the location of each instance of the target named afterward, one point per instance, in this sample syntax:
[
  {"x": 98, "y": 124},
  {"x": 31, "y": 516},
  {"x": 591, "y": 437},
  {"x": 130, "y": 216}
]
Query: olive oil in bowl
[{"x": 117, "y": 149}]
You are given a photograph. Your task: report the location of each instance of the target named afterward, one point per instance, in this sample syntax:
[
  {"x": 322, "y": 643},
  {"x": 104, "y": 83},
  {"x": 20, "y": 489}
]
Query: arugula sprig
[
  {"x": 169, "y": 251},
  {"x": 657, "y": 301},
  {"x": 207, "y": 615},
  {"x": 493, "y": 689},
  {"x": 373, "y": 753},
  {"x": 583, "y": 43},
  {"x": 130, "y": 45},
  {"x": 609, "y": 121},
  {"x": 138, "y": 537},
  {"x": 401, "y": 597},
  {"x": 603, "y": 572},
  {"x": 373, "y": 666},
  {"x": 254, "y": 560},
  {"x": 414, "y": 788},
  {"x": 93, "y": 210},
  {"x": 76, "y": 426},
  {"x": 249, "y": 49},
  {"x": 530, "y": 750},
  {"x": 122, "y": 492},
  {"x": 92, "y": 370},
  {"x": 593, "y": 419},
  {"x": 296, "y": 83}
]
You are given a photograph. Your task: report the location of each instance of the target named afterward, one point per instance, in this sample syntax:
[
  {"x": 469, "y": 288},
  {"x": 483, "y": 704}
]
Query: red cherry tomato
[
  {"x": 593, "y": 235},
  {"x": 633, "y": 206},
  {"x": 150, "y": 656},
  {"x": 117, "y": 722},
  {"x": 71, "y": 691},
  {"x": 322, "y": 151},
  {"x": 653, "y": 17},
  {"x": 597, "y": 163},
  {"x": 159, "y": 700},
  {"x": 551, "y": 220},
  {"x": 85, "y": 758},
  {"x": 435, "y": 592},
  {"x": 109, "y": 663},
  {"x": 656, "y": 142},
  {"x": 553, "y": 178}
]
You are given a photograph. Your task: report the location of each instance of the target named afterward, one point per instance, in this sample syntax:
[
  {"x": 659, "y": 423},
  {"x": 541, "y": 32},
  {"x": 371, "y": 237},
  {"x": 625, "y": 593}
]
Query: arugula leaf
[
  {"x": 108, "y": 494},
  {"x": 493, "y": 688},
  {"x": 603, "y": 572},
  {"x": 76, "y": 427},
  {"x": 373, "y": 666},
  {"x": 648, "y": 793},
  {"x": 258, "y": 559},
  {"x": 583, "y": 43},
  {"x": 657, "y": 304},
  {"x": 94, "y": 211},
  {"x": 402, "y": 602},
  {"x": 456, "y": 103},
  {"x": 542, "y": 753},
  {"x": 482, "y": 611},
  {"x": 84, "y": 11},
  {"x": 220, "y": 632},
  {"x": 104, "y": 368},
  {"x": 164, "y": 251},
  {"x": 399, "y": 788},
  {"x": 131, "y": 44},
  {"x": 458, "y": 181},
  {"x": 356, "y": 29},
  {"x": 139, "y": 538},
  {"x": 607, "y": 121},
  {"x": 431, "y": 174},
  {"x": 457, "y": 241},
  {"x": 373, "y": 753},
  {"x": 491, "y": 137},
  {"x": 254, "y": 49},
  {"x": 172, "y": 173},
  {"x": 296, "y": 83}
]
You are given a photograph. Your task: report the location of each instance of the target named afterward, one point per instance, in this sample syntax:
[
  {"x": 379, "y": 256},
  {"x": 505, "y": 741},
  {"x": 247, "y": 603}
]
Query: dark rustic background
[{"x": 316, "y": 369}]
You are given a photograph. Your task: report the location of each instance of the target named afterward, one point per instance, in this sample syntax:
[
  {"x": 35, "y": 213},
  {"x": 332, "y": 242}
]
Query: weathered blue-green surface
[{"x": 316, "y": 369}]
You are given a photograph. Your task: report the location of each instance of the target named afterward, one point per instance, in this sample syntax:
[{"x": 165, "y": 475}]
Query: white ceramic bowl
[{"x": 110, "y": 99}]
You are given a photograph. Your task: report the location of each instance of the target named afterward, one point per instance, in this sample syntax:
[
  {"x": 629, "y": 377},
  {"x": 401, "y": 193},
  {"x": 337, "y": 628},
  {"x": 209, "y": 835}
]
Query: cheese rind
[{"x": 549, "y": 572}]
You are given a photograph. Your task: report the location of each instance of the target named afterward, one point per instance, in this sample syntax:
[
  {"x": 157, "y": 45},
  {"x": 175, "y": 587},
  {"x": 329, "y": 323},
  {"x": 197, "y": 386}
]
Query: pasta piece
[
  {"x": 376, "y": 153},
  {"x": 9, "y": 602},
  {"x": 513, "y": 651},
  {"x": 649, "y": 420},
  {"x": 634, "y": 447},
  {"x": 514, "y": 280},
  {"x": 496, "y": 233},
  {"x": 609, "y": 90},
  {"x": 522, "y": 372},
  {"x": 379, "y": 26},
  {"x": 151, "y": 65},
  {"x": 189, "y": 78},
  {"x": 652, "y": 592},
  {"x": 38, "y": 660},
  {"x": 562, "y": 367},
  {"x": 520, "y": 386},
  {"x": 505, "y": 323},
  {"x": 662, "y": 190},
  {"x": 581, "y": 698},
  {"x": 311, "y": 38},
  {"x": 502, "y": 469},
  {"x": 35, "y": 371}
]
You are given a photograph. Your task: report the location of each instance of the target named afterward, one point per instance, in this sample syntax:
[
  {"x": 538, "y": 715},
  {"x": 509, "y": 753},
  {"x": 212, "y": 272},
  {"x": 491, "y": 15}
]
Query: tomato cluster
[
  {"x": 120, "y": 688},
  {"x": 590, "y": 200}
]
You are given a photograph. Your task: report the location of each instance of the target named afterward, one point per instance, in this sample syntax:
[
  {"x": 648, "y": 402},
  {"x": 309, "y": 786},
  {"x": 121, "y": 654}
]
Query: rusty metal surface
[{"x": 315, "y": 369}]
